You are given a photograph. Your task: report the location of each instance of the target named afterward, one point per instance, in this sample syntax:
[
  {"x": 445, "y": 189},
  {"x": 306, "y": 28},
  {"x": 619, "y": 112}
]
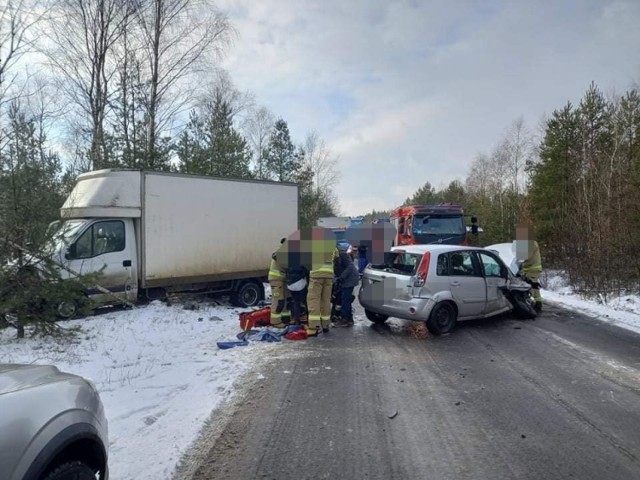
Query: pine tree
[
  {"x": 282, "y": 159},
  {"x": 30, "y": 196},
  {"x": 229, "y": 152},
  {"x": 425, "y": 195},
  {"x": 553, "y": 185},
  {"x": 212, "y": 146}
]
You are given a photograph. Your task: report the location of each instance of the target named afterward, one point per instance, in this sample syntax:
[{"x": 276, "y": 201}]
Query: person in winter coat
[
  {"x": 349, "y": 279},
  {"x": 336, "y": 290},
  {"x": 297, "y": 281},
  {"x": 363, "y": 261}
]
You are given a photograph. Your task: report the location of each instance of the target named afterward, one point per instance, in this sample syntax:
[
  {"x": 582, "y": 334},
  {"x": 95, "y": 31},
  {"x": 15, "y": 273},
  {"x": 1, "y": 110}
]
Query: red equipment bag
[
  {"x": 300, "y": 334},
  {"x": 256, "y": 318}
]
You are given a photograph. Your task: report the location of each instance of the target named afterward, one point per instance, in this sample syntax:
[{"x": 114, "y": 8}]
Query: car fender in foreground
[{"x": 49, "y": 418}]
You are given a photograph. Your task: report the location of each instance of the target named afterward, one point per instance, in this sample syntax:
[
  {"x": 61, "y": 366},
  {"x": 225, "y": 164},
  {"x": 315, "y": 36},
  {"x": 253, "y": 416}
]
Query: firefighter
[
  {"x": 323, "y": 252},
  {"x": 279, "y": 293},
  {"x": 528, "y": 250}
]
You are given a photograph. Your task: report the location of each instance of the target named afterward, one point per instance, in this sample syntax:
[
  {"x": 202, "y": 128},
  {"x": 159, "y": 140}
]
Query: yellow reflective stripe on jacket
[
  {"x": 274, "y": 271},
  {"x": 532, "y": 268},
  {"x": 323, "y": 269}
]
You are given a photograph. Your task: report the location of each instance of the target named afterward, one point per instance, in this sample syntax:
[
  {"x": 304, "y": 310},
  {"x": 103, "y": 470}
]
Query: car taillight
[{"x": 423, "y": 270}]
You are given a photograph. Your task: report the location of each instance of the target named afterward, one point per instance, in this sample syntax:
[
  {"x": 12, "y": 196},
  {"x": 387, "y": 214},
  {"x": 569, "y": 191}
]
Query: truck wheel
[
  {"x": 442, "y": 318},
  {"x": 376, "y": 317},
  {"x": 67, "y": 310},
  {"x": 247, "y": 294},
  {"x": 72, "y": 470}
]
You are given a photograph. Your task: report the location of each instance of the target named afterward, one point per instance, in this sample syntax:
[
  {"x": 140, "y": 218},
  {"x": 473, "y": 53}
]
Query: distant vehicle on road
[
  {"x": 441, "y": 284},
  {"x": 429, "y": 224},
  {"x": 52, "y": 425}
]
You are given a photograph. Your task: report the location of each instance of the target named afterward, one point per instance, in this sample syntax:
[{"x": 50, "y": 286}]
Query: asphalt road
[{"x": 554, "y": 398}]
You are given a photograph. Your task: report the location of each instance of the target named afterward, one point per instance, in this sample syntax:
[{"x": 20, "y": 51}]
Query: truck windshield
[
  {"x": 430, "y": 225},
  {"x": 450, "y": 230},
  {"x": 62, "y": 234}
]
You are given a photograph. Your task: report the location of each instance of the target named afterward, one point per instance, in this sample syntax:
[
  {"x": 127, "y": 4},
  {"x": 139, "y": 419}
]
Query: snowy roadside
[
  {"x": 159, "y": 372},
  {"x": 623, "y": 311}
]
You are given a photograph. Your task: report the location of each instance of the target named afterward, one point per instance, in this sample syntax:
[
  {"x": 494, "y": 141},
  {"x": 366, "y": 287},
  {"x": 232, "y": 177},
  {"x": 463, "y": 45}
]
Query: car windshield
[
  {"x": 430, "y": 225},
  {"x": 399, "y": 262}
]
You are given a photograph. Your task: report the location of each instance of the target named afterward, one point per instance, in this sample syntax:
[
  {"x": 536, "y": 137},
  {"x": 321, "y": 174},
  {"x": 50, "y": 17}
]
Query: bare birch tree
[
  {"x": 241, "y": 104},
  {"x": 321, "y": 163},
  {"x": 179, "y": 37},
  {"x": 257, "y": 128},
  {"x": 519, "y": 145},
  {"x": 17, "y": 19},
  {"x": 82, "y": 35}
]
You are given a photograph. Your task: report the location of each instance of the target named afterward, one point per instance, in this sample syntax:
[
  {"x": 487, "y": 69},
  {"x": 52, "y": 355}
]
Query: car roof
[{"x": 435, "y": 248}]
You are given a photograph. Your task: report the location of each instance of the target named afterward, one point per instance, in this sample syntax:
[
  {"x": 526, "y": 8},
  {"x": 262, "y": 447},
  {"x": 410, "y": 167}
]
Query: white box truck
[{"x": 150, "y": 233}]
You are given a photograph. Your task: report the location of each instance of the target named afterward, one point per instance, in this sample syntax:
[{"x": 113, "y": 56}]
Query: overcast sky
[{"x": 405, "y": 92}]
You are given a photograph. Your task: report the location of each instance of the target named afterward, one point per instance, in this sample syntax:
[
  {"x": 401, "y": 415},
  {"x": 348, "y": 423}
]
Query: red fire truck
[{"x": 425, "y": 224}]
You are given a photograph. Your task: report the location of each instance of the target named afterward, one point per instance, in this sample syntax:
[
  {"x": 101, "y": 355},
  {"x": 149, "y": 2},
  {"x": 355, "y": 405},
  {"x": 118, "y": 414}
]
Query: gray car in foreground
[{"x": 52, "y": 425}]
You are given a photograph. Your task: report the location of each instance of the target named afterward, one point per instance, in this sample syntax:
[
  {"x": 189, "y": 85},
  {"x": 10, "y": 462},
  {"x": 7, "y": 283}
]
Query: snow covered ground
[
  {"x": 160, "y": 373},
  {"x": 623, "y": 311}
]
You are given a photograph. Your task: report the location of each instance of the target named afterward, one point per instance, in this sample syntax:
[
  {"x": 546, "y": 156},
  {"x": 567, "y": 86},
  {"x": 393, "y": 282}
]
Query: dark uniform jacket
[{"x": 348, "y": 273}]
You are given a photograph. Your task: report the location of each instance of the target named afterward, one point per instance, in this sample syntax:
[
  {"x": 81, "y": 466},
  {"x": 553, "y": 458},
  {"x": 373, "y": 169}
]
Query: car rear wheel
[
  {"x": 442, "y": 318},
  {"x": 71, "y": 471},
  {"x": 376, "y": 317}
]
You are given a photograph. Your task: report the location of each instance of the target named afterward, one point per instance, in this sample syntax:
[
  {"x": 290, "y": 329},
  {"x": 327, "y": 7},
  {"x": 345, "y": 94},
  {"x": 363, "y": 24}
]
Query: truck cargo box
[{"x": 201, "y": 227}]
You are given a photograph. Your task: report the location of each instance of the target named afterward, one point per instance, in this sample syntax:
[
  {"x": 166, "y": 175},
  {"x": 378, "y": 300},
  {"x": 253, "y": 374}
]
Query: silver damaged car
[
  {"x": 52, "y": 425},
  {"x": 441, "y": 284}
]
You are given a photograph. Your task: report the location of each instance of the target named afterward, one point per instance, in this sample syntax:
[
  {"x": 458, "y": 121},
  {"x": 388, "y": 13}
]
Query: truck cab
[
  {"x": 99, "y": 245},
  {"x": 431, "y": 224}
]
